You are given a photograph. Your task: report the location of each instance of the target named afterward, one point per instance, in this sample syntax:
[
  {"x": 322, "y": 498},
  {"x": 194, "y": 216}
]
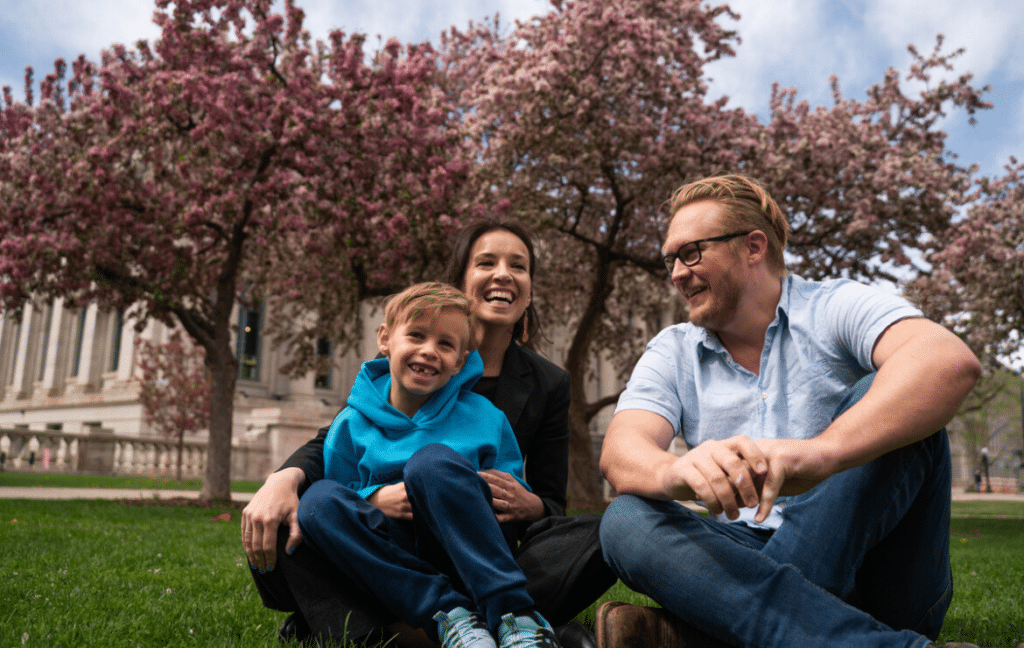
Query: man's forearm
[{"x": 634, "y": 455}]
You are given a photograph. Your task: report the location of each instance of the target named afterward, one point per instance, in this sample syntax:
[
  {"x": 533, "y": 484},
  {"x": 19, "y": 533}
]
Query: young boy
[{"x": 403, "y": 510}]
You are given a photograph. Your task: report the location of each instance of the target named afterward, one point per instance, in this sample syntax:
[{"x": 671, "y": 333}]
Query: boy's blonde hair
[{"x": 429, "y": 297}]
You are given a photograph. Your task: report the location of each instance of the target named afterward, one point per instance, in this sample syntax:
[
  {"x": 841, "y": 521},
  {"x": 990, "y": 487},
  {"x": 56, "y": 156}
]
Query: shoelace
[
  {"x": 465, "y": 631},
  {"x": 525, "y": 632}
]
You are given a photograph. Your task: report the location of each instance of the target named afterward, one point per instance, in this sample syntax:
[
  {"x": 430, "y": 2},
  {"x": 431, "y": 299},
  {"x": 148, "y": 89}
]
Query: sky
[{"x": 799, "y": 43}]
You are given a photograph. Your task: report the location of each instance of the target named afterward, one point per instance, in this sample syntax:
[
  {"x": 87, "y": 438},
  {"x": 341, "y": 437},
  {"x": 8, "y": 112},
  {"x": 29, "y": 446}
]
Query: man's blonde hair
[
  {"x": 748, "y": 206},
  {"x": 430, "y": 297}
]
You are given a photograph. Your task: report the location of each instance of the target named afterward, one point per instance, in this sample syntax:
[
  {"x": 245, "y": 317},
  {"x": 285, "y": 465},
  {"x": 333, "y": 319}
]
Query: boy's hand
[
  {"x": 392, "y": 501},
  {"x": 512, "y": 502}
]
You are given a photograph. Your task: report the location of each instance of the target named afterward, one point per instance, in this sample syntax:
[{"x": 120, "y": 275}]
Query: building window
[
  {"x": 76, "y": 359},
  {"x": 249, "y": 343},
  {"x": 45, "y": 343},
  {"x": 115, "y": 339},
  {"x": 322, "y": 378}
]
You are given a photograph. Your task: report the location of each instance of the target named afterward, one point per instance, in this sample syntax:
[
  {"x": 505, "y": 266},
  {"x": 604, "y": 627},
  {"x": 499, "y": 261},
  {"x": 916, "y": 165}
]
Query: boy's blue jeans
[
  {"x": 862, "y": 559},
  {"x": 453, "y": 554}
]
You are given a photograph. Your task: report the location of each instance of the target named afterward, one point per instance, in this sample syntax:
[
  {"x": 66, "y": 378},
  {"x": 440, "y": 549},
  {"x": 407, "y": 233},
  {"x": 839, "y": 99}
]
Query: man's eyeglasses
[{"x": 689, "y": 253}]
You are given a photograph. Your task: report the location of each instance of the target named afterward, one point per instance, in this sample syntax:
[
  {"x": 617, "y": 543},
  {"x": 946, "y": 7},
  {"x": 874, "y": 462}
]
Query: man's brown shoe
[{"x": 621, "y": 625}]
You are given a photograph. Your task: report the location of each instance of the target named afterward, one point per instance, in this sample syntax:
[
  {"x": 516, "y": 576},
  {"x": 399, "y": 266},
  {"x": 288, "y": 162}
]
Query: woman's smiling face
[{"x": 497, "y": 278}]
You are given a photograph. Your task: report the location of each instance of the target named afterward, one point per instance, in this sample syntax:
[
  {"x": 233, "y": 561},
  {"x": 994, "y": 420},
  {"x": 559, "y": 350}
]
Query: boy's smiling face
[{"x": 423, "y": 352}]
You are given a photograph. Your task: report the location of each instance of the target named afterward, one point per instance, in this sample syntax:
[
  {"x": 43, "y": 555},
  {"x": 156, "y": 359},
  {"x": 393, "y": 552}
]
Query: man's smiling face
[{"x": 712, "y": 287}]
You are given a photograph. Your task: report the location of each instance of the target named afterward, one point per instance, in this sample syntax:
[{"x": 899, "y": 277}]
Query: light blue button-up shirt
[{"x": 818, "y": 346}]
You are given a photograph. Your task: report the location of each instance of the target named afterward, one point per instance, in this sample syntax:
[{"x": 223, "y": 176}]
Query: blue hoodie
[{"x": 370, "y": 441}]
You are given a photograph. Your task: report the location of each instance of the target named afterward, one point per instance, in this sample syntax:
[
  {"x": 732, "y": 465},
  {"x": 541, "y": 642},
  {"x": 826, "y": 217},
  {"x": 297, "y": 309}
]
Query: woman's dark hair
[{"x": 454, "y": 273}]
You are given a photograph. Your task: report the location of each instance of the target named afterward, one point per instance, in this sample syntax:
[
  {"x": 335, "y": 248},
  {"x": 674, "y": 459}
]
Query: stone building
[{"x": 71, "y": 378}]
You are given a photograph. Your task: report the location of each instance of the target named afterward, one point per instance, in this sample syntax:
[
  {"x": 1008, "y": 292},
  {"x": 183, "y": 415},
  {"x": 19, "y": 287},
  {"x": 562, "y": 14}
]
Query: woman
[{"x": 493, "y": 262}]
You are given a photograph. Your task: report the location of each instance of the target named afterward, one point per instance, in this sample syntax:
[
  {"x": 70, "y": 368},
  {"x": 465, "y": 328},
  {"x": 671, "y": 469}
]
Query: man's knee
[{"x": 623, "y": 522}]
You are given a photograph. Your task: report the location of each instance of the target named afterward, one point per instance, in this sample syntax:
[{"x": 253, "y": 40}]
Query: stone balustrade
[{"x": 103, "y": 452}]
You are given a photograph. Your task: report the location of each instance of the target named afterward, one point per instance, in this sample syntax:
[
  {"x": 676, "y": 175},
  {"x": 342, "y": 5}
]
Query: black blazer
[{"x": 534, "y": 395}]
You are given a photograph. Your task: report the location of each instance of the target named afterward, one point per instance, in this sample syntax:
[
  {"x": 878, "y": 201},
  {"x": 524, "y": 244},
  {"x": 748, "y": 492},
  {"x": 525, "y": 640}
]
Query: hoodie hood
[{"x": 372, "y": 387}]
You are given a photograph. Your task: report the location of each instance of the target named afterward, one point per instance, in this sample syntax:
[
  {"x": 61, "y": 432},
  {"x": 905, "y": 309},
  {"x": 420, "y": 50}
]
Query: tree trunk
[
  {"x": 223, "y": 373},
  {"x": 584, "y": 488},
  {"x": 181, "y": 449}
]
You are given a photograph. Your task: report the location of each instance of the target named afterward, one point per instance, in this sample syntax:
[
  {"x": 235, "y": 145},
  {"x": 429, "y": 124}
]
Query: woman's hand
[
  {"x": 274, "y": 504},
  {"x": 510, "y": 499},
  {"x": 393, "y": 501}
]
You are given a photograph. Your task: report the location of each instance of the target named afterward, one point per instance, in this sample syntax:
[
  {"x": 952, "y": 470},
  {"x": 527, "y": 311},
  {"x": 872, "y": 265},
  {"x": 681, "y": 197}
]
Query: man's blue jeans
[
  {"x": 453, "y": 554},
  {"x": 862, "y": 559}
]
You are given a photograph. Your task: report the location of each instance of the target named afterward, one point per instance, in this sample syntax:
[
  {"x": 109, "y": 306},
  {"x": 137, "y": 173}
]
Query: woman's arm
[
  {"x": 534, "y": 394},
  {"x": 547, "y": 455},
  {"x": 277, "y": 502},
  {"x": 310, "y": 459},
  {"x": 274, "y": 504}
]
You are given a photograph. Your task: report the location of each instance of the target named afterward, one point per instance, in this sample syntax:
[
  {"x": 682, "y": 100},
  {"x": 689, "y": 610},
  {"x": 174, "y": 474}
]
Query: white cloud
[
  {"x": 988, "y": 29},
  {"x": 773, "y": 47},
  {"x": 83, "y": 26}
]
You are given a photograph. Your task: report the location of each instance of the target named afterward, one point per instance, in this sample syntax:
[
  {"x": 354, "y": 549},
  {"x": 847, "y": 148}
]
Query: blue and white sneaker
[
  {"x": 461, "y": 628},
  {"x": 526, "y": 631}
]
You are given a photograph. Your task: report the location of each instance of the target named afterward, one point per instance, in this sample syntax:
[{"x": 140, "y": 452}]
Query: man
[{"x": 813, "y": 413}]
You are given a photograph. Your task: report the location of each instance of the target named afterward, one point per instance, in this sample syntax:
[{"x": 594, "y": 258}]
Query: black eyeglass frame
[{"x": 670, "y": 259}]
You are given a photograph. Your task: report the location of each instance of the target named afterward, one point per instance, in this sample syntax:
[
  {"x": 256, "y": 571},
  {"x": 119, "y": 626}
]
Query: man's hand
[
  {"x": 274, "y": 504},
  {"x": 795, "y": 466},
  {"x": 724, "y": 475},
  {"x": 511, "y": 501},
  {"x": 393, "y": 501}
]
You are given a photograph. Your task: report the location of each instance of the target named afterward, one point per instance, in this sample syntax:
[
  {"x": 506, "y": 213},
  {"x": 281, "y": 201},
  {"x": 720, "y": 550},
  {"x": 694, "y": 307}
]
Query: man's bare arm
[
  {"x": 924, "y": 373},
  {"x": 724, "y": 475},
  {"x": 635, "y": 452}
]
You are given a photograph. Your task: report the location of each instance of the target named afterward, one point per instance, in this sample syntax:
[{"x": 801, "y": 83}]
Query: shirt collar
[{"x": 710, "y": 340}]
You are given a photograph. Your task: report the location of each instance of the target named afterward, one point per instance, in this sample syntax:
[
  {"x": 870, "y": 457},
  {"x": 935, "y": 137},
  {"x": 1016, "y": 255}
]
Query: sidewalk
[
  {"x": 50, "y": 493},
  {"x": 960, "y": 496}
]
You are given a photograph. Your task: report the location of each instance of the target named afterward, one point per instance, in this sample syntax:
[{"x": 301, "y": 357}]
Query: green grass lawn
[
  {"x": 56, "y": 480},
  {"x": 100, "y": 573},
  {"x": 987, "y": 553}
]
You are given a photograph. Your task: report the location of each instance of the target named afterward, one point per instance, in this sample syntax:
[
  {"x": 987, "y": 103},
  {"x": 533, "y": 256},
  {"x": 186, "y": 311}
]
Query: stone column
[
  {"x": 21, "y": 385},
  {"x": 90, "y": 354},
  {"x": 56, "y": 350}
]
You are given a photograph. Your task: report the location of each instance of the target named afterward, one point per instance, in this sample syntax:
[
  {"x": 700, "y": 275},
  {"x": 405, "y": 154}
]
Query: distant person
[
  {"x": 813, "y": 413},
  {"x": 403, "y": 510}
]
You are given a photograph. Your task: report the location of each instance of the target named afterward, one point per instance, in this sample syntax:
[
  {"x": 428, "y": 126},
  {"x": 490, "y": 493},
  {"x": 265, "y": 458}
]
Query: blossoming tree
[
  {"x": 589, "y": 116},
  {"x": 174, "y": 389},
  {"x": 975, "y": 278},
  {"x": 230, "y": 155}
]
